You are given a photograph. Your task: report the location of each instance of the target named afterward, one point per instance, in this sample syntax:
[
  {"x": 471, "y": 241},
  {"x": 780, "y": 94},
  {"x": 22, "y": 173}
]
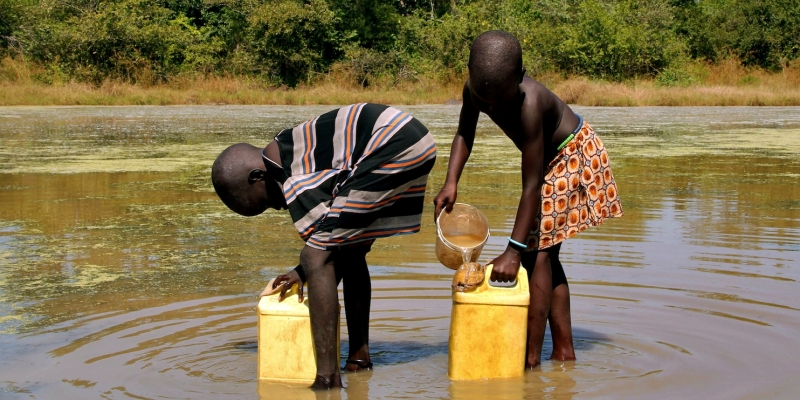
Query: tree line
[{"x": 291, "y": 42}]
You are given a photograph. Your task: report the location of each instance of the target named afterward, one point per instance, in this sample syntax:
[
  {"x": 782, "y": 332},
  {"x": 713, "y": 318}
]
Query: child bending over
[
  {"x": 347, "y": 177},
  {"x": 567, "y": 184}
]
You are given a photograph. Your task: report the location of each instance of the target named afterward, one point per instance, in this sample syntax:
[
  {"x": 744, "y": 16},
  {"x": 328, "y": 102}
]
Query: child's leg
[
  {"x": 357, "y": 288},
  {"x": 541, "y": 290},
  {"x": 323, "y": 299},
  {"x": 560, "y": 321}
]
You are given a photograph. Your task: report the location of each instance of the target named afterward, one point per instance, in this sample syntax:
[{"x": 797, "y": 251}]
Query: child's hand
[
  {"x": 288, "y": 279},
  {"x": 445, "y": 200},
  {"x": 269, "y": 291},
  {"x": 505, "y": 267}
]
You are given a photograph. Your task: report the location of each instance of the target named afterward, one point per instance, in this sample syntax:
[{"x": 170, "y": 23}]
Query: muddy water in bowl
[{"x": 468, "y": 241}]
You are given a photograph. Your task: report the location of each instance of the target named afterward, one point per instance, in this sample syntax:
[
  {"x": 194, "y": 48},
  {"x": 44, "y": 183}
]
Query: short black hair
[
  {"x": 495, "y": 59},
  {"x": 229, "y": 175}
]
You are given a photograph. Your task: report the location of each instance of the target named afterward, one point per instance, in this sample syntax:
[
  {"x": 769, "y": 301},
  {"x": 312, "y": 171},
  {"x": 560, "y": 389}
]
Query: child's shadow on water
[{"x": 388, "y": 353}]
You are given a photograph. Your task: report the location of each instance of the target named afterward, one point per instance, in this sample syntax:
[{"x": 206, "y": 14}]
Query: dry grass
[
  {"x": 649, "y": 94},
  {"x": 17, "y": 87},
  {"x": 724, "y": 84}
]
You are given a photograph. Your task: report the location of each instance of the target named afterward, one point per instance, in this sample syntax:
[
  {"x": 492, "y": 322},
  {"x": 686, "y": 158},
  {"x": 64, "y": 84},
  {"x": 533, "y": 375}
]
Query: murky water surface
[{"x": 123, "y": 276}]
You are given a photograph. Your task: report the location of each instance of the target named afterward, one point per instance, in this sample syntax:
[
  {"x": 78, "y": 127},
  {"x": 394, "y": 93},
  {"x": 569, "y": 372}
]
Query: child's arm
[
  {"x": 532, "y": 147},
  {"x": 459, "y": 154}
]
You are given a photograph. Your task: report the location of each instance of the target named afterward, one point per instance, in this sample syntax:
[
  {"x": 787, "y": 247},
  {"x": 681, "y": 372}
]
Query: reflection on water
[{"x": 122, "y": 275}]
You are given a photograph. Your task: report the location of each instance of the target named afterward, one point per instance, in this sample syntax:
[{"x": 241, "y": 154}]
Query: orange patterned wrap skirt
[{"x": 579, "y": 191}]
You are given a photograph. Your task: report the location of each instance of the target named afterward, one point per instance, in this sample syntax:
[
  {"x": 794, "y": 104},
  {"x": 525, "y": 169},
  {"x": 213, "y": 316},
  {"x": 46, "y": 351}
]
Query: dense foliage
[{"x": 289, "y": 42}]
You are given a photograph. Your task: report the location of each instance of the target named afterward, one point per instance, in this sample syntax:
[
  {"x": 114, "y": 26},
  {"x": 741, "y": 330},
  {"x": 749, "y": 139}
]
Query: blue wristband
[{"x": 517, "y": 245}]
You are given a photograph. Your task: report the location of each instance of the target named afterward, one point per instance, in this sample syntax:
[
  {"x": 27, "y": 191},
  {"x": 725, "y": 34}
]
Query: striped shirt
[{"x": 355, "y": 174}]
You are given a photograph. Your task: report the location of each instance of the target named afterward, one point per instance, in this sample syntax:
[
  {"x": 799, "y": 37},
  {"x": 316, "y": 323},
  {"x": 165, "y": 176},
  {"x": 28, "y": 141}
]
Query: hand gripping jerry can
[
  {"x": 285, "y": 345},
  {"x": 488, "y": 330}
]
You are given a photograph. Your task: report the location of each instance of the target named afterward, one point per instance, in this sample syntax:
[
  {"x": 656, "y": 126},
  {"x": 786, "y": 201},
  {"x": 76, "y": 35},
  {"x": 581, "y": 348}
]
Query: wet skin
[{"x": 536, "y": 121}]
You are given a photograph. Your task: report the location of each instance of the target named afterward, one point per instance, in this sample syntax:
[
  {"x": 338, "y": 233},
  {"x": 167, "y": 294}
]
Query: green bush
[
  {"x": 10, "y": 15},
  {"x": 295, "y": 39},
  {"x": 371, "y": 24},
  {"x": 764, "y": 33},
  {"x": 540, "y": 26},
  {"x": 674, "y": 77},
  {"x": 619, "y": 40},
  {"x": 133, "y": 40},
  {"x": 367, "y": 66},
  {"x": 440, "y": 47},
  {"x": 288, "y": 42}
]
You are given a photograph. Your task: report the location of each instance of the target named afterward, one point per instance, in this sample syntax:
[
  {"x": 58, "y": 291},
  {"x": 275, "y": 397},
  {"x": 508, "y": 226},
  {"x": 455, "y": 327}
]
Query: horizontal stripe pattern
[
  {"x": 296, "y": 185},
  {"x": 355, "y": 174},
  {"x": 410, "y": 159}
]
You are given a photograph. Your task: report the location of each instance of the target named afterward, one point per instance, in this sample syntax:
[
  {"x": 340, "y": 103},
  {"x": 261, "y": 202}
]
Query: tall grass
[{"x": 723, "y": 84}]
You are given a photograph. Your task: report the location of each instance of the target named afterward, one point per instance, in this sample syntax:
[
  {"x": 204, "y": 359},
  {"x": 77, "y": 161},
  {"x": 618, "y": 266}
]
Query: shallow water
[{"x": 123, "y": 276}]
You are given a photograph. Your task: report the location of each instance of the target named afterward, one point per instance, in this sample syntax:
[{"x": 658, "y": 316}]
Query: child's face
[
  {"x": 498, "y": 100},
  {"x": 260, "y": 198},
  {"x": 254, "y": 201},
  {"x": 259, "y": 195}
]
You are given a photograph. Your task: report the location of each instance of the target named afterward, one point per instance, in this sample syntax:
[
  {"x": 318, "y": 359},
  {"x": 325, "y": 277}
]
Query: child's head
[
  {"x": 495, "y": 66},
  {"x": 238, "y": 175}
]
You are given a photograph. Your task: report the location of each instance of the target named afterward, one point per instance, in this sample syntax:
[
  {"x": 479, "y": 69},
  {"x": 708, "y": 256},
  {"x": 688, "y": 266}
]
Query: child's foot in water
[
  {"x": 563, "y": 356},
  {"x": 357, "y": 365},
  {"x": 358, "y": 360},
  {"x": 325, "y": 383}
]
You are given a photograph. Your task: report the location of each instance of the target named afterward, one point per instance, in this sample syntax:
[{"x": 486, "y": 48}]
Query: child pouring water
[{"x": 567, "y": 184}]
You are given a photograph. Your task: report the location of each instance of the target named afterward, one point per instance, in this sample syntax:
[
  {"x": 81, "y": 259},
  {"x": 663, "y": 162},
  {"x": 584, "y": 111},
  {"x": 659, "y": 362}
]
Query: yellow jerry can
[
  {"x": 488, "y": 330},
  {"x": 285, "y": 345}
]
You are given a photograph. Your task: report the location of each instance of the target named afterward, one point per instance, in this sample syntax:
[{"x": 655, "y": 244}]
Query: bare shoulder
[
  {"x": 540, "y": 103},
  {"x": 535, "y": 89},
  {"x": 535, "y": 98}
]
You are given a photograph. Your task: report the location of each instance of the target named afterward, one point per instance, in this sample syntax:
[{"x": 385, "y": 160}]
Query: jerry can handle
[
  {"x": 515, "y": 285},
  {"x": 269, "y": 291}
]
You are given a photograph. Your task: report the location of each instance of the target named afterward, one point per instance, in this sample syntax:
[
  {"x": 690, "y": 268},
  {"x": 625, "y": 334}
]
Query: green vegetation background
[{"x": 293, "y": 42}]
